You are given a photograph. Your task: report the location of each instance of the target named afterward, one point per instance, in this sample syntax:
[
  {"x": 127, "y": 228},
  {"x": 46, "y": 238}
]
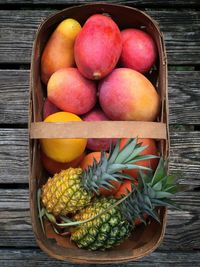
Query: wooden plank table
[{"x": 180, "y": 22}]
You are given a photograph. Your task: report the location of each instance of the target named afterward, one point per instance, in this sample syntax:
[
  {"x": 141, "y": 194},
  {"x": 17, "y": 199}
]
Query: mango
[
  {"x": 68, "y": 90},
  {"x": 59, "y": 50},
  {"x": 49, "y": 108},
  {"x": 98, "y": 144},
  {"x": 139, "y": 51},
  {"x": 98, "y": 47},
  {"x": 54, "y": 167},
  {"x": 128, "y": 95},
  {"x": 151, "y": 149}
]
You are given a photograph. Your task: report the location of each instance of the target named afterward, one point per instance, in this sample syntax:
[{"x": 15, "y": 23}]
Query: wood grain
[
  {"x": 15, "y": 226},
  {"x": 35, "y": 257},
  {"x": 184, "y": 162},
  {"x": 14, "y": 96},
  {"x": 185, "y": 156},
  {"x": 184, "y": 97},
  {"x": 127, "y": 2},
  {"x": 13, "y": 156},
  {"x": 18, "y": 27}
]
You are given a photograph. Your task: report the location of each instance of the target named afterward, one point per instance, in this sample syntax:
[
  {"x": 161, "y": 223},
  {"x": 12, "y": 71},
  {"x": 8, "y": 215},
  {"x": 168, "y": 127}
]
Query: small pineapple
[
  {"x": 72, "y": 189},
  {"x": 115, "y": 224},
  {"x": 103, "y": 232},
  {"x": 62, "y": 193}
]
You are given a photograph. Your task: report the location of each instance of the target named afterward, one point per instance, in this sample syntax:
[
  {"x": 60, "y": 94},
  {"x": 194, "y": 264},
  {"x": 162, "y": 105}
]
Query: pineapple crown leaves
[
  {"x": 108, "y": 169},
  {"x": 153, "y": 190}
]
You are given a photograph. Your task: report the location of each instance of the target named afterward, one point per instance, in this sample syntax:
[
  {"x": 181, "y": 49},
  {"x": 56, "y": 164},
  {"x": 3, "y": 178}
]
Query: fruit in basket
[
  {"x": 88, "y": 161},
  {"x": 139, "y": 50},
  {"x": 126, "y": 94},
  {"x": 97, "y": 144},
  {"x": 98, "y": 47},
  {"x": 114, "y": 223},
  {"x": 151, "y": 149},
  {"x": 73, "y": 189},
  {"x": 49, "y": 108},
  {"x": 124, "y": 189},
  {"x": 104, "y": 232},
  {"x": 71, "y": 92},
  {"x": 59, "y": 149},
  {"x": 59, "y": 50},
  {"x": 53, "y": 166}
]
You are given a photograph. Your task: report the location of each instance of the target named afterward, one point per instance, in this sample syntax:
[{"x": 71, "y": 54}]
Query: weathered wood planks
[
  {"x": 13, "y": 155},
  {"x": 184, "y": 159},
  {"x": 14, "y": 96},
  {"x": 127, "y": 2},
  {"x": 184, "y": 97},
  {"x": 185, "y": 156},
  {"x": 35, "y": 257},
  {"x": 15, "y": 226},
  {"x": 18, "y": 27}
]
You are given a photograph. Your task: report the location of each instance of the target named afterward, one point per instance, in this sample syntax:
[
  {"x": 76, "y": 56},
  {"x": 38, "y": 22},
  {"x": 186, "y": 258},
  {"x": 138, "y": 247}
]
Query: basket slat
[{"x": 94, "y": 129}]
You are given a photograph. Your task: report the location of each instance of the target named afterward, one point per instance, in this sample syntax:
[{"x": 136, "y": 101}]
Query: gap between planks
[{"x": 18, "y": 28}]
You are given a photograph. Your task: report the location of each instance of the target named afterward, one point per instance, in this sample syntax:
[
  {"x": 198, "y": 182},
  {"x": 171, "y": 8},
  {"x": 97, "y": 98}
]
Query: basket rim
[{"x": 40, "y": 242}]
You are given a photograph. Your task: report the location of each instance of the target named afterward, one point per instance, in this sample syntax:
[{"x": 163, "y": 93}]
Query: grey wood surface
[
  {"x": 34, "y": 257},
  {"x": 180, "y": 22},
  {"x": 184, "y": 97},
  {"x": 184, "y": 160},
  {"x": 165, "y": 3},
  {"x": 15, "y": 226},
  {"x": 18, "y": 27}
]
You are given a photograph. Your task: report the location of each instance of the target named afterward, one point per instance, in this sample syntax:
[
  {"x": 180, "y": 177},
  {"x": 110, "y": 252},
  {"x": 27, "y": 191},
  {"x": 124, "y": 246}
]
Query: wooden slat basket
[{"x": 144, "y": 239}]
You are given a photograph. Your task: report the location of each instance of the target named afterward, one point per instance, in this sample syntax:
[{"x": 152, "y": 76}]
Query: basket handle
[{"x": 94, "y": 129}]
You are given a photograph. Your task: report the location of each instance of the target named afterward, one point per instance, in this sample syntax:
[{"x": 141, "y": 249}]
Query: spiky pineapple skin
[
  {"x": 103, "y": 232},
  {"x": 64, "y": 193}
]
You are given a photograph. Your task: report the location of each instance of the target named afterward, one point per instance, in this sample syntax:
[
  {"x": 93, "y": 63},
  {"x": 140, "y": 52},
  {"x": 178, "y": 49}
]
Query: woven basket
[{"x": 144, "y": 239}]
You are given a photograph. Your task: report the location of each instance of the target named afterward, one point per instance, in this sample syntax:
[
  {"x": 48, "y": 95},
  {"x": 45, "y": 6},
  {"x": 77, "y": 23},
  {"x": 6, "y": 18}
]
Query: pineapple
[
  {"x": 72, "y": 189},
  {"x": 115, "y": 222},
  {"x": 103, "y": 232}
]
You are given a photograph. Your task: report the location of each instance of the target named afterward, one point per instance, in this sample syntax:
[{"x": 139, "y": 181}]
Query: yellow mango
[{"x": 59, "y": 50}]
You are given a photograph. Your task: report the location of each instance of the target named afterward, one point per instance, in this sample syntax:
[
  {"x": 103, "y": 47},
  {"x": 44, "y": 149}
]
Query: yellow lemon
[{"x": 63, "y": 150}]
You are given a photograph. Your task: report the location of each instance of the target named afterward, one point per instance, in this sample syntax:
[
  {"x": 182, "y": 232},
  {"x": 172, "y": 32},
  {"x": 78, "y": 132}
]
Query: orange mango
[
  {"x": 59, "y": 50},
  {"x": 128, "y": 95}
]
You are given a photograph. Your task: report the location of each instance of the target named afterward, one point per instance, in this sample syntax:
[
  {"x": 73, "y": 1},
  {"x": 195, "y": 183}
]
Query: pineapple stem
[{"x": 41, "y": 211}]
